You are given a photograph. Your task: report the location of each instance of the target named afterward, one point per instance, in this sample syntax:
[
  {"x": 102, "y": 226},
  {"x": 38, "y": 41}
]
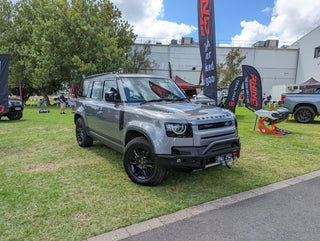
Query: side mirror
[{"x": 110, "y": 95}]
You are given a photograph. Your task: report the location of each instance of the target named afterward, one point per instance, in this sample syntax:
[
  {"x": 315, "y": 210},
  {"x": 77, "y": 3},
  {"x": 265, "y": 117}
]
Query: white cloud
[
  {"x": 290, "y": 20},
  {"x": 266, "y": 10},
  {"x": 146, "y": 18}
]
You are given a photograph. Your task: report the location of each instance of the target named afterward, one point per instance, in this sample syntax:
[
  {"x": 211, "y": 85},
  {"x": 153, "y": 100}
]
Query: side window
[
  {"x": 89, "y": 89},
  {"x": 85, "y": 89},
  {"x": 96, "y": 90},
  {"x": 317, "y": 52},
  {"x": 111, "y": 85}
]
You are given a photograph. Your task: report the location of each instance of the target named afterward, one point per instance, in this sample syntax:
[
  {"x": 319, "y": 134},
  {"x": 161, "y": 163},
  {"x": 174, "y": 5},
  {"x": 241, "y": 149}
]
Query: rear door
[{"x": 93, "y": 105}]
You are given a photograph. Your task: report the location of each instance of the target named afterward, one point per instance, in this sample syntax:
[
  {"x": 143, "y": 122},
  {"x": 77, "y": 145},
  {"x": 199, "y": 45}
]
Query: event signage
[
  {"x": 207, "y": 43},
  {"x": 233, "y": 93},
  {"x": 4, "y": 91},
  {"x": 252, "y": 88}
]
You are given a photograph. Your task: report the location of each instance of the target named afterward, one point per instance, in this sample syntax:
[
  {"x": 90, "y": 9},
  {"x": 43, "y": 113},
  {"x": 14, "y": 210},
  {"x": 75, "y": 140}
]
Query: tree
[
  {"x": 53, "y": 42},
  {"x": 139, "y": 58},
  {"x": 231, "y": 68}
]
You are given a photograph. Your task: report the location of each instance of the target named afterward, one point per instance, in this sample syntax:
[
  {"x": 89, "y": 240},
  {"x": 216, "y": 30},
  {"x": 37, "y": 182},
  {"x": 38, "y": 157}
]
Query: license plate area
[
  {"x": 17, "y": 108},
  {"x": 224, "y": 157},
  {"x": 220, "y": 159}
]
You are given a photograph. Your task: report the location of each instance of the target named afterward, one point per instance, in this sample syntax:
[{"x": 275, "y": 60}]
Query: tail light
[{"x": 282, "y": 99}]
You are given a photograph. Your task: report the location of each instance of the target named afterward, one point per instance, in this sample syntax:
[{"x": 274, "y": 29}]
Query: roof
[
  {"x": 310, "y": 83},
  {"x": 127, "y": 75}
]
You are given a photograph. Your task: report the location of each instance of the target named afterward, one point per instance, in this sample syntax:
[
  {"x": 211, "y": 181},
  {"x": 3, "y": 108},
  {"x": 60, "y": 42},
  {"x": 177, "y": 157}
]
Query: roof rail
[{"x": 96, "y": 75}]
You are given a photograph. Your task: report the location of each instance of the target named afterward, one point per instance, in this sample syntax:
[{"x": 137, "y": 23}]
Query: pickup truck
[
  {"x": 304, "y": 107},
  {"x": 154, "y": 125}
]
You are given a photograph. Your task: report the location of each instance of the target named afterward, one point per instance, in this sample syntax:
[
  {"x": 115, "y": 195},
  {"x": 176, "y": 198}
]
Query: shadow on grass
[
  {"x": 187, "y": 184},
  {"x": 10, "y": 121}
]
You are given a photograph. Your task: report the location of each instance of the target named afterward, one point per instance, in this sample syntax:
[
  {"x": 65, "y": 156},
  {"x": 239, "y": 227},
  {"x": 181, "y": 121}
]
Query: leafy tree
[
  {"x": 139, "y": 58},
  {"x": 231, "y": 68},
  {"x": 53, "y": 42}
]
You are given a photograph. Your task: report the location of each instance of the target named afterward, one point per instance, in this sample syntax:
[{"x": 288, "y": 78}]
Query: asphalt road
[{"x": 288, "y": 212}]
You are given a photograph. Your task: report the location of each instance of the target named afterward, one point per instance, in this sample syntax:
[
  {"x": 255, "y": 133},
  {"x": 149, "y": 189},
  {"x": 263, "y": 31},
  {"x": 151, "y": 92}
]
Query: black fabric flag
[
  {"x": 207, "y": 43},
  {"x": 170, "y": 70},
  {"x": 252, "y": 88},
  {"x": 233, "y": 93},
  {"x": 4, "y": 91}
]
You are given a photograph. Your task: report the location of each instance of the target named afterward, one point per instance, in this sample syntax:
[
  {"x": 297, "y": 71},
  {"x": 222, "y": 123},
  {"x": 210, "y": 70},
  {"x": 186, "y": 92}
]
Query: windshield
[{"x": 151, "y": 89}]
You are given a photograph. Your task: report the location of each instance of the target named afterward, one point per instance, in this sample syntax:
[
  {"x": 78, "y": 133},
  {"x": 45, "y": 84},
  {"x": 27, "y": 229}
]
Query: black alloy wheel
[
  {"x": 15, "y": 116},
  {"x": 140, "y": 163},
  {"x": 304, "y": 114},
  {"x": 83, "y": 139}
]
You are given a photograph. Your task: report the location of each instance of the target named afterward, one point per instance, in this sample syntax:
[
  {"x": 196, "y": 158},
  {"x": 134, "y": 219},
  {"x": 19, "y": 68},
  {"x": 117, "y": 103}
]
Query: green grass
[{"x": 51, "y": 189}]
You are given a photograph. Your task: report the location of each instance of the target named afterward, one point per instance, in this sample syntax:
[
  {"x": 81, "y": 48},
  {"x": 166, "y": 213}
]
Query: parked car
[
  {"x": 304, "y": 107},
  {"x": 15, "y": 109},
  {"x": 222, "y": 95},
  {"x": 151, "y": 121}
]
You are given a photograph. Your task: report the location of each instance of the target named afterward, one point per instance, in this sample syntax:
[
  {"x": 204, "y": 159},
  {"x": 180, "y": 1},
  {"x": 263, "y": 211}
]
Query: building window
[{"x": 317, "y": 52}]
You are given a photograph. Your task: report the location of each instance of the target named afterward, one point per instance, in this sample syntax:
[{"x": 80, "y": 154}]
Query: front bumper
[{"x": 200, "y": 157}]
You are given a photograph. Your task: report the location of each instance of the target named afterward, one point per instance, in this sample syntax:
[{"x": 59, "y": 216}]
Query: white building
[
  {"x": 291, "y": 65},
  {"x": 308, "y": 65}
]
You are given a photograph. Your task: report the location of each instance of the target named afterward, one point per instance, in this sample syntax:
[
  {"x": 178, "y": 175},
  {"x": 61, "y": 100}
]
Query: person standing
[
  {"x": 72, "y": 102},
  {"x": 62, "y": 103}
]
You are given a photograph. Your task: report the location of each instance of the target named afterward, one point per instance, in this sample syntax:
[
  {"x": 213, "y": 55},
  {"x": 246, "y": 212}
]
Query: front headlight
[
  {"x": 236, "y": 125},
  {"x": 178, "y": 130}
]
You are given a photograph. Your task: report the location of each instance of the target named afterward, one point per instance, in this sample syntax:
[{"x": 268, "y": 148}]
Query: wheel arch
[
  {"x": 134, "y": 133},
  {"x": 306, "y": 104},
  {"x": 77, "y": 116}
]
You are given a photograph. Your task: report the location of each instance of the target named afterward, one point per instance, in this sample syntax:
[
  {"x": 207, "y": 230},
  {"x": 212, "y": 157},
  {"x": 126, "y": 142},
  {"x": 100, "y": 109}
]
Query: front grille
[
  {"x": 224, "y": 134},
  {"x": 214, "y": 125}
]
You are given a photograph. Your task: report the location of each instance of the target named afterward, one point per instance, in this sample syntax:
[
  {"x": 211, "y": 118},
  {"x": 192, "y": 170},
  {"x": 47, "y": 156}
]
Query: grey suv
[{"x": 151, "y": 121}]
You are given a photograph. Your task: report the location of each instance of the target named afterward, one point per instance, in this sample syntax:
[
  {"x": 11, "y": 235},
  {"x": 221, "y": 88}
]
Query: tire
[
  {"x": 140, "y": 163},
  {"x": 83, "y": 139},
  {"x": 15, "y": 116},
  {"x": 304, "y": 114}
]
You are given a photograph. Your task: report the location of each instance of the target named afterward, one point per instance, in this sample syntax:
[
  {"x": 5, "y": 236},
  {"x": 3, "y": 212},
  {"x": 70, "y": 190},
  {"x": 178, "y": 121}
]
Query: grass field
[{"x": 51, "y": 189}]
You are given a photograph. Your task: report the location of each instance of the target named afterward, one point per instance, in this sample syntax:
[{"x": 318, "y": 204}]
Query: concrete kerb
[{"x": 134, "y": 229}]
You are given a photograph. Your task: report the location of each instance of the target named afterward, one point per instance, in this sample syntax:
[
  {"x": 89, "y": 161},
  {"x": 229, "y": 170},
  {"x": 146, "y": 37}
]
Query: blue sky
[
  {"x": 228, "y": 14},
  {"x": 236, "y": 20}
]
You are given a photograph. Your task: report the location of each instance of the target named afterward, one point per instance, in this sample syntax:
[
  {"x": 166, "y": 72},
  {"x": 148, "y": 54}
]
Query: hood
[{"x": 187, "y": 110}]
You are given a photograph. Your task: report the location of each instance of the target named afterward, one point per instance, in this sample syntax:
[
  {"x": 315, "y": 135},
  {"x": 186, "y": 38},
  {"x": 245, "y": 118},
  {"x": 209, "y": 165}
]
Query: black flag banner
[
  {"x": 233, "y": 93},
  {"x": 4, "y": 91},
  {"x": 207, "y": 43},
  {"x": 252, "y": 88}
]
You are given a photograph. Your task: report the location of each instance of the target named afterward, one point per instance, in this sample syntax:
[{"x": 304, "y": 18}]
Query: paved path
[{"x": 287, "y": 210}]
